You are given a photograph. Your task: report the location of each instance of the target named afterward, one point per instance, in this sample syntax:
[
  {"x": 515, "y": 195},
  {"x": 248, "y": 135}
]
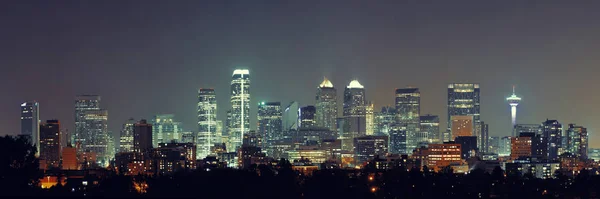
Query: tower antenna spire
[{"x": 513, "y": 89}]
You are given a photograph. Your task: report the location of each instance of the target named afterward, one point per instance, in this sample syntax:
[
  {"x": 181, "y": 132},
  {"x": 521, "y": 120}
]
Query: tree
[{"x": 19, "y": 168}]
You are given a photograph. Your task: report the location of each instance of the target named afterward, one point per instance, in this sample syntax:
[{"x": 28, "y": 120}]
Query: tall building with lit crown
[
  {"x": 307, "y": 117},
  {"x": 463, "y": 99},
  {"x": 408, "y": 110},
  {"x": 50, "y": 143},
  {"x": 165, "y": 129},
  {"x": 30, "y": 122},
  {"x": 240, "y": 108},
  {"x": 207, "y": 122},
  {"x": 354, "y": 114},
  {"x": 513, "y": 101},
  {"x": 552, "y": 131},
  {"x": 269, "y": 123},
  {"x": 91, "y": 128},
  {"x": 326, "y": 104},
  {"x": 577, "y": 141},
  {"x": 126, "y": 138}
]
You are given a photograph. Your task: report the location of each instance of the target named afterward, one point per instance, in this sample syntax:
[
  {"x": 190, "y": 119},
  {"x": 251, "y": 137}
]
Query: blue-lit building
[{"x": 30, "y": 122}]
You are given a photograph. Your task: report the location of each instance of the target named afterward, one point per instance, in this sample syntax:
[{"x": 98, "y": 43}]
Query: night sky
[{"x": 150, "y": 57}]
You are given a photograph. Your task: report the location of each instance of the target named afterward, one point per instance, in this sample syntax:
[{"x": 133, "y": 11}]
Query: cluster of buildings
[{"x": 310, "y": 136}]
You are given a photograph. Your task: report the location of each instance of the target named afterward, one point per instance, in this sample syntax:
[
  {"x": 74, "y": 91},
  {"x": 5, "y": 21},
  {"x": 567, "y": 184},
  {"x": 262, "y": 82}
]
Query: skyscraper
[
  {"x": 577, "y": 141},
  {"x": 513, "y": 101},
  {"x": 240, "y": 107},
  {"x": 368, "y": 147},
  {"x": 552, "y": 132},
  {"x": 384, "y": 120},
  {"x": 369, "y": 118},
  {"x": 326, "y": 113},
  {"x": 269, "y": 122},
  {"x": 126, "y": 138},
  {"x": 430, "y": 126},
  {"x": 91, "y": 128},
  {"x": 165, "y": 129},
  {"x": 408, "y": 107},
  {"x": 481, "y": 132},
  {"x": 290, "y": 117},
  {"x": 307, "y": 117},
  {"x": 463, "y": 99},
  {"x": 397, "y": 138},
  {"x": 50, "y": 143},
  {"x": 354, "y": 114},
  {"x": 207, "y": 122},
  {"x": 526, "y": 128},
  {"x": 142, "y": 137},
  {"x": 30, "y": 122}
]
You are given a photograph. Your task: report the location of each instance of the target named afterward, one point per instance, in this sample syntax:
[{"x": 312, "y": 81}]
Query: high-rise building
[
  {"x": 240, "y": 107},
  {"x": 513, "y": 101},
  {"x": 443, "y": 155},
  {"x": 521, "y": 146},
  {"x": 462, "y": 125},
  {"x": 307, "y": 117},
  {"x": 354, "y": 114},
  {"x": 430, "y": 128},
  {"x": 577, "y": 141},
  {"x": 326, "y": 105},
  {"x": 384, "y": 120},
  {"x": 142, "y": 137},
  {"x": 91, "y": 128},
  {"x": 269, "y": 123},
  {"x": 504, "y": 147},
  {"x": 369, "y": 118},
  {"x": 552, "y": 132},
  {"x": 207, "y": 122},
  {"x": 50, "y": 143},
  {"x": 30, "y": 123},
  {"x": 368, "y": 147},
  {"x": 408, "y": 110},
  {"x": 69, "y": 158},
  {"x": 463, "y": 99},
  {"x": 126, "y": 138},
  {"x": 481, "y": 132},
  {"x": 397, "y": 138},
  {"x": 165, "y": 129},
  {"x": 290, "y": 116},
  {"x": 493, "y": 144}
]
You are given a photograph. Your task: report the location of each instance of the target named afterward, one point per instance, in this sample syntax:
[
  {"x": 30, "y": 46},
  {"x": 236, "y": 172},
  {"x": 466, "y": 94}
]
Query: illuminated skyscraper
[
  {"x": 240, "y": 108},
  {"x": 207, "y": 122},
  {"x": 408, "y": 107},
  {"x": 513, "y": 101},
  {"x": 326, "y": 114},
  {"x": 269, "y": 122},
  {"x": 126, "y": 138},
  {"x": 290, "y": 117},
  {"x": 368, "y": 147},
  {"x": 463, "y": 99},
  {"x": 552, "y": 132},
  {"x": 397, "y": 138},
  {"x": 91, "y": 128},
  {"x": 166, "y": 129},
  {"x": 50, "y": 143},
  {"x": 384, "y": 120},
  {"x": 462, "y": 125},
  {"x": 369, "y": 119},
  {"x": 354, "y": 114},
  {"x": 30, "y": 122},
  {"x": 577, "y": 141},
  {"x": 307, "y": 117}
]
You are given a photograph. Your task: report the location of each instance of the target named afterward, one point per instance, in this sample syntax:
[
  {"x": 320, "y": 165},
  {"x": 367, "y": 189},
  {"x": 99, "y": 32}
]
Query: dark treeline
[{"x": 19, "y": 178}]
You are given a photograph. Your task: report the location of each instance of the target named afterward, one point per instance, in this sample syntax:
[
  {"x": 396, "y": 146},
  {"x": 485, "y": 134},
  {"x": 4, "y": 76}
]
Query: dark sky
[{"x": 150, "y": 57}]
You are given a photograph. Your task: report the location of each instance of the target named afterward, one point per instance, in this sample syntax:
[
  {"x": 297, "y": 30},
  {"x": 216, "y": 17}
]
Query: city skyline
[{"x": 277, "y": 70}]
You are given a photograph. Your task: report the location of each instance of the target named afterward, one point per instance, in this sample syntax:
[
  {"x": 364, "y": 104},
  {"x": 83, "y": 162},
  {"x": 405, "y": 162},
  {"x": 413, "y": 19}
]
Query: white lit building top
[
  {"x": 326, "y": 83},
  {"x": 241, "y": 72},
  {"x": 355, "y": 84}
]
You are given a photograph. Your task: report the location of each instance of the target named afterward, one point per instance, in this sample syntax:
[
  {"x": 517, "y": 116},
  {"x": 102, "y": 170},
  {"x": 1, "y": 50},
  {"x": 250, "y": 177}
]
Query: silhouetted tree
[{"x": 19, "y": 168}]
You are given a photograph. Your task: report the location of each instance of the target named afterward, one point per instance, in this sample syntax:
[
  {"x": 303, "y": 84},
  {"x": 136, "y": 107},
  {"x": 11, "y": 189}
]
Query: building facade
[
  {"x": 207, "y": 134},
  {"x": 126, "y": 138},
  {"x": 30, "y": 123},
  {"x": 462, "y": 125},
  {"x": 166, "y": 129},
  {"x": 326, "y": 104},
  {"x": 577, "y": 141},
  {"x": 384, "y": 120},
  {"x": 408, "y": 110},
  {"x": 368, "y": 147},
  {"x": 50, "y": 144},
  {"x": 552, "y": 131},
  {"x": 240, "y": 108},
  {"x": 270, "y": 122},
  {"x": 463, "y": 99},
  {"x": 291, "y": 115},
  {"x": 354, "y": 114},
  {"x": 142, "y": 137},
  {"x": 307, "y": 117},
  {"x": 91, "y": 128},
  {"x": 398, "y": 140},
  {"x": 430, "y": 127}
]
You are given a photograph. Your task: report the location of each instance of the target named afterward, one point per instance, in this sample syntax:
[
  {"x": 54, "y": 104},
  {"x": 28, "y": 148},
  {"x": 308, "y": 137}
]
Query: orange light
[{"x": 373, "y": 189}]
